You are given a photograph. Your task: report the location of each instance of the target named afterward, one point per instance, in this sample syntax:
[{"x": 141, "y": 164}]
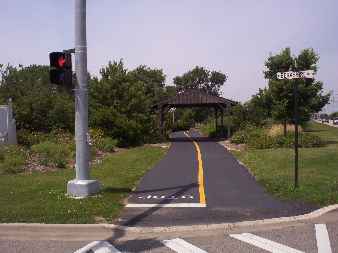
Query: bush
[
  {"x": 29, "y": 138},
  {"x": 220, "y": 133},
  {"x": 61, "y": 136},
  {"x": 261, "y": 138},
  {"x": 308, "y": 140},
  {"x": 99, "y": 142},
  {"x": 107, "y": 144},
  {"x": 52, "y": 154},
  {"x": 240, "y": 137},
  {"x": 96, "y": 136},
  {"x": 12, "y": 159}
]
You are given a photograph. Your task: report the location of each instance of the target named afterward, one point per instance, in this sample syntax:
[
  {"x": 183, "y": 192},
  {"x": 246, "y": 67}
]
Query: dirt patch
[
  {"x": 232, "y": 146},
  {"x": 160, "y": 145}
]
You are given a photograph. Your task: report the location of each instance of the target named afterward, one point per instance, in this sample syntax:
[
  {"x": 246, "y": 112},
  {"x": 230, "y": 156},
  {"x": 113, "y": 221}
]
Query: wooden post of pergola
[
  {"x": 228, "y": 125},
  {"x": 162, "y": 120},
  {"x": 216, "y": 119},
  {"x": 222, "y": 121}
]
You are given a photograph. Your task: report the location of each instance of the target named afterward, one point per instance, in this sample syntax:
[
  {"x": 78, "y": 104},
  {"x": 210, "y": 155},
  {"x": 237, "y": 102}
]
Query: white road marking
[
  {"x": 265, "y": 244},
  {"x": 182, "y": 246},
  {"x": 98, "y": 247},
  {"x": 323, "y": 240},
  {"x": 165, "y": 197},
  {"x": 168, "y": 205}
]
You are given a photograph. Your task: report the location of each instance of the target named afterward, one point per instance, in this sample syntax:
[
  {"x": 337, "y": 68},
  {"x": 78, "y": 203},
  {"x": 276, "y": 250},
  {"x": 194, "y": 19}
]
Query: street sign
[{"x": 296, "y": 75}]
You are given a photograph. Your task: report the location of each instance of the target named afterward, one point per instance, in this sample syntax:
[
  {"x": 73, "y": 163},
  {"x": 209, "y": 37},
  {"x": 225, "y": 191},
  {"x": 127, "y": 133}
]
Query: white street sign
[{"x": 296, "y": 75}]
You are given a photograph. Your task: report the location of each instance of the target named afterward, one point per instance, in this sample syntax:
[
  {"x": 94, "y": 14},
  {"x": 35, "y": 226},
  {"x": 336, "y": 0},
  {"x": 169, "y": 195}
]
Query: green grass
[
  {"x": 318, "y": 169},
  {"x": 207, "y": 127},
  {"x": 40, "y": 197}
]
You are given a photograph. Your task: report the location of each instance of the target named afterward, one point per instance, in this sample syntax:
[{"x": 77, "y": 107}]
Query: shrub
[
  {"x": 278, "y": 129},
  {"x": 221, "y": 132},
  {"x": 240, "y": 137},
  {"x": 308, "y": 140},
  {"x": 108, "y": 144},
  {"x": 12, "y": 159},
  {"x": 29, "y": 138},
  {"x": 61, "y": 136},
  {"x": 52, "y": 154},
  {"x": 100, "y": 142},
  {"x": 96, "y": 136},
  {"x": 261, "y": 138}
]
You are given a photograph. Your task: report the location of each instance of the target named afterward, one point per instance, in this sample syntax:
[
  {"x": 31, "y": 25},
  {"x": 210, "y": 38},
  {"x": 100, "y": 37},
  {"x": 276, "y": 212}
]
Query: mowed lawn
[
  {"x": 318, "y": 169},
  {"x": 41, "y": 197}
]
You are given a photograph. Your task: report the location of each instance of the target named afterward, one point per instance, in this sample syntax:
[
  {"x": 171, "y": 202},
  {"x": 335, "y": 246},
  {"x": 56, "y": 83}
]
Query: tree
[
  {"x": 121, "y": 101},
  {"x": 259, "y": 107},
  {"x": 203, "y": 79},
  {"x": 311, "y": 97},
  {"x": 38, "y": 105},
  {"x": 333, "y": 115},
  {"x": 153, "y": 80}
]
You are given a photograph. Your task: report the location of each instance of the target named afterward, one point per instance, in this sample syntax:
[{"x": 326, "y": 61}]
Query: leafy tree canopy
[
  {"x": 201, "y": 78},
  {"x": 121, "y": 101},
  {"x": 311, "y": 96},
  {"x": 38, "y": 105}
]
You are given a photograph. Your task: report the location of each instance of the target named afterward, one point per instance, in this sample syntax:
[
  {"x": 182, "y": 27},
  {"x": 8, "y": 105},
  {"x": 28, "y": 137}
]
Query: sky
[{"x": 231, "y": 36}]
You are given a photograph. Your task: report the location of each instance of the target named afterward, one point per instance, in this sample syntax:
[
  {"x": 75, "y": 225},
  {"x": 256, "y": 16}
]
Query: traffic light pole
[{"x": 81, "y": 186}]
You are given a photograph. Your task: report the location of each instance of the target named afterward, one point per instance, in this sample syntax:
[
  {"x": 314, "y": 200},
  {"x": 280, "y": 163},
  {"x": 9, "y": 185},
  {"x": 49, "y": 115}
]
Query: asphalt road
[
  {"x": 170, "y": 193},
  {"x": 292, "y": 237}
]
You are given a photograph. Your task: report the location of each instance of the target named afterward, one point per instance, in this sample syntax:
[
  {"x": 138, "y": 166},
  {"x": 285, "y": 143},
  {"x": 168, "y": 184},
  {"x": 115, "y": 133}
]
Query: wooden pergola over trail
[{"x": 196, "y": 98}]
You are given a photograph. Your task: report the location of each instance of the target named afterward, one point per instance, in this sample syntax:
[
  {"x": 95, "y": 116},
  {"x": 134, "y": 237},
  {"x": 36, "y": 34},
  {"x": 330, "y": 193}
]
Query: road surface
[
  {"x": 200, "y": 182},
  {"x": 310, "y": 236}
]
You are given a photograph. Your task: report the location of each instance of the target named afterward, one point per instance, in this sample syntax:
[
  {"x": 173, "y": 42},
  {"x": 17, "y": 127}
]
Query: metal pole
[
  {"x": 81, "y": 103},
  {"x": 295, "y": 90},
  {"x": 81, "y": 186}
]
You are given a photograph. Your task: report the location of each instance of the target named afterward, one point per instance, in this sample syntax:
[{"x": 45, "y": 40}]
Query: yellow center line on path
[{"x": 200, "y": 172}]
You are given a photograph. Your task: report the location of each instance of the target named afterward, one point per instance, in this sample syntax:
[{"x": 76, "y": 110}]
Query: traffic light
[{"x": 61, "y": 68}]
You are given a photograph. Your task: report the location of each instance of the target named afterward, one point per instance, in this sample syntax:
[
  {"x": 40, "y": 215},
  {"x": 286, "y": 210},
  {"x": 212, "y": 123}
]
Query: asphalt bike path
[
  {"x": 172, "y": 182},
  {"x": 200, "y": 182}
]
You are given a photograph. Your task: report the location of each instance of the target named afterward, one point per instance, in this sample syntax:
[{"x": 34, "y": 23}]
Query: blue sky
[{"x": 231, "y": 36}]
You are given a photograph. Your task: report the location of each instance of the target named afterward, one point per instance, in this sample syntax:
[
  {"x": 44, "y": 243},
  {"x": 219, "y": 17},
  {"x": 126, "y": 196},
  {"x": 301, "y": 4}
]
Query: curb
[{"x": 142, "y": 230}]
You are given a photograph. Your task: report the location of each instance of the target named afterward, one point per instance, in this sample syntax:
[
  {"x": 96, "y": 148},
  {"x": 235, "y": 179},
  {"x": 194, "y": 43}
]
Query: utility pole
[{"x": 81, "y": 186}]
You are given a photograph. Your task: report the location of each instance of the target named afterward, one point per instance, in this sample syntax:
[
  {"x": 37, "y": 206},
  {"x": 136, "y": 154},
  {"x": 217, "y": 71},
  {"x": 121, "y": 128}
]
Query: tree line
[{"x": 121, "y": 100}]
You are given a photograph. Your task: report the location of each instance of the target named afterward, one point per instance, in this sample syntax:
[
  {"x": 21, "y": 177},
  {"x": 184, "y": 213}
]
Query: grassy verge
[
  {"x": 40, "y": 197},
  {"x": 207, "y": 128},
  {"x": 318, "y": 171}
]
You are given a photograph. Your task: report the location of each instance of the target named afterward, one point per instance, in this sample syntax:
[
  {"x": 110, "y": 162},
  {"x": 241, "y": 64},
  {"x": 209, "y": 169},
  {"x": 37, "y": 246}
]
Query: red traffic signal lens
[{"x": 61, "y": 61}]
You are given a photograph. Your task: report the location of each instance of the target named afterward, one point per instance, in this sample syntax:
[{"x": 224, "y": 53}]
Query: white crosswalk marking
[
  {"x": 98, "y": 247},
  {"x": 265, "y": 244},
  {"x": 322, "y": 237},
  {"x": 182, "y": 246}
]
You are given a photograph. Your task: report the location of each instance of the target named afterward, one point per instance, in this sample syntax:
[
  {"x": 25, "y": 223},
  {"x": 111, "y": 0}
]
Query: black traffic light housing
[{"x": 60, "y": 72}]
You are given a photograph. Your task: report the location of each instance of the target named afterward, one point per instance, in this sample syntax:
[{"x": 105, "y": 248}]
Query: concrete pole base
[{"x": 82, "y": 188}]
